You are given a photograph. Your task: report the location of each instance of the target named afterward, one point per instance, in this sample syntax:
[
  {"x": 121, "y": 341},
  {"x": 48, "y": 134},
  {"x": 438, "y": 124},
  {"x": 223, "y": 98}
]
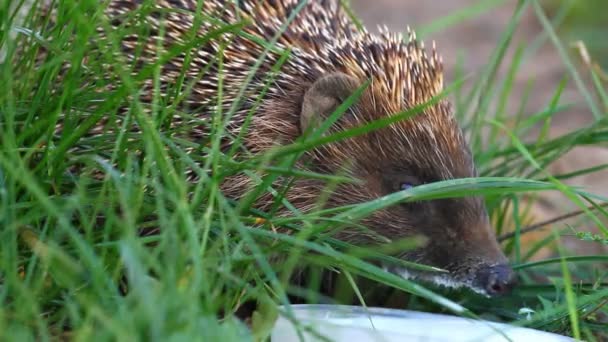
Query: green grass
[{"x": 74, "y": 262}]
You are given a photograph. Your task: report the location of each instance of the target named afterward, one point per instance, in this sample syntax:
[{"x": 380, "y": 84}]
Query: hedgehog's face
[{"x": 424, "y": 149}]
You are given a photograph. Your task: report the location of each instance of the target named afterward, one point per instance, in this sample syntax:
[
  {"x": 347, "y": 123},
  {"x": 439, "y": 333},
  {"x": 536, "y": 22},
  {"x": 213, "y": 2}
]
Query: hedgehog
[{"x": 323, "y": 59}]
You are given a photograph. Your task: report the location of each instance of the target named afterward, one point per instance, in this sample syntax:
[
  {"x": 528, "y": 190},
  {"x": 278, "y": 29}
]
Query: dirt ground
[{"x": 475, "y": 39}]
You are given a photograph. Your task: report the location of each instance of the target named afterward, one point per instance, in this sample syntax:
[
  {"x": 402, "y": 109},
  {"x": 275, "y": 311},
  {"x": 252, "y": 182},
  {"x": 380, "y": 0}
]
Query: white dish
[{"x": 341, "y": 323}]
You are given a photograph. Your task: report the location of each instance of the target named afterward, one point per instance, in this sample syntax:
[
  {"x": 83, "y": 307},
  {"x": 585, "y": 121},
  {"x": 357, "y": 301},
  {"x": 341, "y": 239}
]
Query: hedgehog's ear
[{"x": 324, "y": 96}]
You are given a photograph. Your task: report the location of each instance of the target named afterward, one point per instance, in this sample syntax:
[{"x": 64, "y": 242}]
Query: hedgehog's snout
[{"x": 496, "y": 280}]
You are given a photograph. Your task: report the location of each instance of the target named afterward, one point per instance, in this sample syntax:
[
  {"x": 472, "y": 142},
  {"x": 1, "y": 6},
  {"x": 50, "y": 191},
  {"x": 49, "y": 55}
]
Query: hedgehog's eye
[
  {"x": 400, "y": 182},
  {"x": 405, "y": 186}
]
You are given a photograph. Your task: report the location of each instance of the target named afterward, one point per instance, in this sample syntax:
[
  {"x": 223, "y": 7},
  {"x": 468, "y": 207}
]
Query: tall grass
[{"x": 130, "y": 248}]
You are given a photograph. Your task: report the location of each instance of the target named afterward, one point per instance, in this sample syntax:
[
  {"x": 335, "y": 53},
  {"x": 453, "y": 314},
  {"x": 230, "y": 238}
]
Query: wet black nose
[{"x": 496, "y": 280}]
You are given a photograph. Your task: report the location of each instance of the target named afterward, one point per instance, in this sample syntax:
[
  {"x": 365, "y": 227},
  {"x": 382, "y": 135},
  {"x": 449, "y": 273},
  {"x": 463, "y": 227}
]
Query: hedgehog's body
[
  {"x": 322, "y": 40},
  {"x": 329, "y": 59}
]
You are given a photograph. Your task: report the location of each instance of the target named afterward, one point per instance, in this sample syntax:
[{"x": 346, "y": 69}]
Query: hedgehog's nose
[{"x": 496, "y": 280}]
